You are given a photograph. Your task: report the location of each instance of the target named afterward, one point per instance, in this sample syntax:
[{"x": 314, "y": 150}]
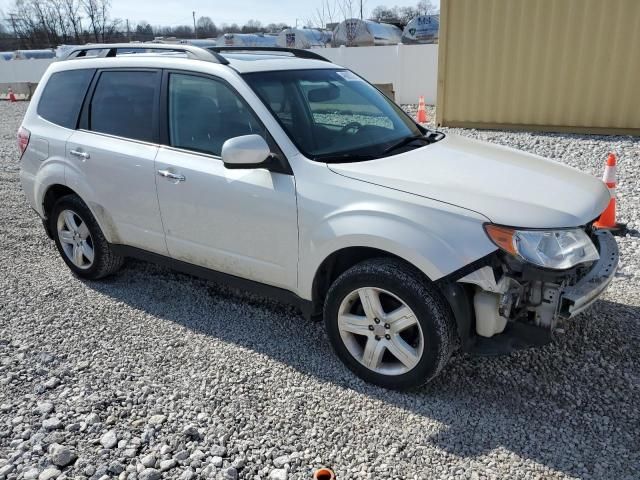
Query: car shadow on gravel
[{"x": 571, "y": 405}]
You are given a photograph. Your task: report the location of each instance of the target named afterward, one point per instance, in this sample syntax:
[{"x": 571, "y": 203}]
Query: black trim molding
[
  {"x": 490, "y": 260},
  {"x": 276, "y": 293}
]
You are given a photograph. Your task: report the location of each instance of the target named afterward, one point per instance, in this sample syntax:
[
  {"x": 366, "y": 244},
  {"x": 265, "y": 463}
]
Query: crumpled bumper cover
[{"x": 578, "y": 297}]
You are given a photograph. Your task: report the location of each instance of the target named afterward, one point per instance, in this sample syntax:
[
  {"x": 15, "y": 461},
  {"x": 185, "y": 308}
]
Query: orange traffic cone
[
  {"x": 324, "y": 474},
  {"x": 607, "y": 220},
  {"x": 12, "y": 96},
  {"x": 421, "y": 116}
]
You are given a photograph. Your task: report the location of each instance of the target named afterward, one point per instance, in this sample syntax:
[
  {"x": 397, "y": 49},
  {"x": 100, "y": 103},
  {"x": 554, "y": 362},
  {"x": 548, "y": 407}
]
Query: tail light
[{"x": 23, "y": 140}]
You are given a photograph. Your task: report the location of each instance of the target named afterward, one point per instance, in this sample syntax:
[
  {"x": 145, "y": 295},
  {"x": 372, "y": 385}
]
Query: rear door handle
[
  {"x": 80, "y": 154},
  {"x": 177, "y": 177}
]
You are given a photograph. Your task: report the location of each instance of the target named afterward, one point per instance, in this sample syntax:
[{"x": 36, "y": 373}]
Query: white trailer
[
  {"x": 354, "y": 32},
  {"x": 422, "y": 29},
  {"x": 304, "y": 38}
]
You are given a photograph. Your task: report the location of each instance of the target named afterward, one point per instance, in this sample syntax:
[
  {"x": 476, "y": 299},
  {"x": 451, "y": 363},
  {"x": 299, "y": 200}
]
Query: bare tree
[
  {"x": 95, "y": 11},
  {"x": 143, "y": 32},
  {"x": 384, "y": 14},
  {"x": 71, "y": 9},
  {"x": 206, "y": 28},
  {"x": 56, "y": 11},
  {"x": 402, "y": 15},
  {"x": 275, "y": 27},
  {"x": 348, "y": 8},
  {"x": 425, "y": 7},
  {"x": 44, "y": 18},
  {"x": 324, "y": 14},
  {"x": 233, "y": 28},
  {"x": 30, "y": 24},
  {"x": 252, "y": 26},
  {"x": 49, "y": 23}
]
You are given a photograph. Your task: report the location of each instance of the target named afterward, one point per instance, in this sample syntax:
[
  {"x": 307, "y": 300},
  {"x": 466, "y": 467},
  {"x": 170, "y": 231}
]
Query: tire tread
[
  {"x": 420, "y": 286},
  {"x": 106, "y": 261}
]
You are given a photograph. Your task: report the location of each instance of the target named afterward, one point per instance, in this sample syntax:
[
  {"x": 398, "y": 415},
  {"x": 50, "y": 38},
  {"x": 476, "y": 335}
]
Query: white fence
[
  {"x": 23, "y": 71},
  {"x": 412, "y": 69}
]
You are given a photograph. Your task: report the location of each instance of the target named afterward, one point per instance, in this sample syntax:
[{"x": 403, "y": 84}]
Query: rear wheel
[
  {"x": 80, "y": 240},
  {"x": 388, "y": 324}
]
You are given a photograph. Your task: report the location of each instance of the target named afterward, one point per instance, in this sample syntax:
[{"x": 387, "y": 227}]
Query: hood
[{"x": 507, "y": 186}]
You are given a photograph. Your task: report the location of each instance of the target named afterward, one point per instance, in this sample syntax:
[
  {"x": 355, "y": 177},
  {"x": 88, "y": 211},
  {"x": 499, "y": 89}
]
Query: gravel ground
[{"x": 152, "y": 374}]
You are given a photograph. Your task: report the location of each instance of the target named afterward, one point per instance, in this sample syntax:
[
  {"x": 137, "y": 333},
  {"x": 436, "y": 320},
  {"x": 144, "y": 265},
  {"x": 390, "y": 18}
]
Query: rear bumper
[{"x": 580, "y": 296}]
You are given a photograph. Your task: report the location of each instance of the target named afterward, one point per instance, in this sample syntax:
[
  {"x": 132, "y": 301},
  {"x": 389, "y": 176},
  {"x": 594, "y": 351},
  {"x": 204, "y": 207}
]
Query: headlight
[{"x": 557, "y": 249}]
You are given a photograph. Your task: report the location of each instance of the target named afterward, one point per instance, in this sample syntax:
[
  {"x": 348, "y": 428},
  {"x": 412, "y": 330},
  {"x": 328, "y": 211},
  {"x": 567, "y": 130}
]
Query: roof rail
[
  {"x": 296, "y": 52},
  {"x": 112, "y": 49}
]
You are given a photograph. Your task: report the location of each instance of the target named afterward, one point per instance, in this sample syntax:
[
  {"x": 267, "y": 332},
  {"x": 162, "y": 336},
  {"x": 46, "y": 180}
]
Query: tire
[
  {"x": 417, "y": 324},
  {"x": 75, "y": 230}
]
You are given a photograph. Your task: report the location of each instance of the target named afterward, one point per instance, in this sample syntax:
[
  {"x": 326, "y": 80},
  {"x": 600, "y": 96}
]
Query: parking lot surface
[{"x": 152, "y": 374}]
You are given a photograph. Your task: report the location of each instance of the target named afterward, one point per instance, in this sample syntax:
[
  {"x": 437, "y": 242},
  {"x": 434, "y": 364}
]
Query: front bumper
[
  {"x": 578, "y": 297},
  {"x": 522, "y": 307}
]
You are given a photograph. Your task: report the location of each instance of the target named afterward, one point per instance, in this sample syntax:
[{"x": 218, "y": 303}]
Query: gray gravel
[{"x": 152, "y": 374}]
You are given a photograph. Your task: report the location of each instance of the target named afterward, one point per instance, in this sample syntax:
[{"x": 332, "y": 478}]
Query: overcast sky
[{"x": 174, "y": 12}]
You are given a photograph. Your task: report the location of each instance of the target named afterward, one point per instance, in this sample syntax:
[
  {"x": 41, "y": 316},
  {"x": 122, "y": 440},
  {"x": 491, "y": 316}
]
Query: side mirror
[{"x": 247, "y": 151}]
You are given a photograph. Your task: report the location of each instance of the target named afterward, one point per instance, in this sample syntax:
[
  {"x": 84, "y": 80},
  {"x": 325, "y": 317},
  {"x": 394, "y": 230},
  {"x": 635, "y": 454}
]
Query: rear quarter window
[{"x": 62, "y": 97}]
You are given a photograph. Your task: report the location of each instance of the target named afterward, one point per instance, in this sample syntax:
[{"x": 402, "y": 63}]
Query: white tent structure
[
  {"x": 354, "y": 32},
  {"x": 63, "y": 50},
  {"x": 201, "y": 42},
  {"x": 246, "y": 40},
  {"x": 303, "y": 38},
  {"x": 38, "y": 54},
  {"x": 422, "y": 29}
]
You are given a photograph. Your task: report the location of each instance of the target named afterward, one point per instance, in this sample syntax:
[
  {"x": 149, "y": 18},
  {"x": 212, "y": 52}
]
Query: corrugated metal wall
[{"x": 557, "y": 65}]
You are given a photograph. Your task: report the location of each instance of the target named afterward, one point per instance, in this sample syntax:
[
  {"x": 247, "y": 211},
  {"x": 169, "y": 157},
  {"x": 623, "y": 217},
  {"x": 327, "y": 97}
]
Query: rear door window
[
  {"x": 62, "y": 97},
  {"x": 125, "y": 104}
]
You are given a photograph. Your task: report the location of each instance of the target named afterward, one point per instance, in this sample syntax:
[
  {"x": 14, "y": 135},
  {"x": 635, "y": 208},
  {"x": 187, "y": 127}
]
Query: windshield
[{"x": 334, "y": 115}]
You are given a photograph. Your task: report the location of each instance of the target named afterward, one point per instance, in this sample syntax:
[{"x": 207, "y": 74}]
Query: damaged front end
[{"x": 516, "y": 304}]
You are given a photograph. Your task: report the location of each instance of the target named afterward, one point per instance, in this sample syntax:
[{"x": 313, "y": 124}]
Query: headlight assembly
[{"x": 556, "y": 249}]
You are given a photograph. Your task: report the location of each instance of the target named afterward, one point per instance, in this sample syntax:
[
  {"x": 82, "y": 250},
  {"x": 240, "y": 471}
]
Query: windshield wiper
[
  {"x": 406, "y": 141},
  {"x": 344, "y": 158}
]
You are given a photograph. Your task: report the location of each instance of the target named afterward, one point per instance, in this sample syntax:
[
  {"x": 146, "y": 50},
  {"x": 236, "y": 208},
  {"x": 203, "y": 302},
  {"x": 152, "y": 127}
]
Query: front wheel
[{"x": 388, "y": 324}]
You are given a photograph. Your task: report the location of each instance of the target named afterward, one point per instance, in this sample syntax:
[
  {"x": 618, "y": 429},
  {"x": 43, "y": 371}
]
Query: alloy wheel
[
  {"x": 380, "y": 331},
  {"x": 75, "y": 239}
]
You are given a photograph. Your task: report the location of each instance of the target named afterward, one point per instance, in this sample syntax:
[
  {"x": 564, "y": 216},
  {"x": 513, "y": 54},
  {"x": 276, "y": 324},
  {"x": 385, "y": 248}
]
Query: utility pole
[
  {"x": 361, "y": 9},
  {"x": 128, "y": 34},
  {"x": 12, "y": 17},
  {"x": 195, "y": 30}
]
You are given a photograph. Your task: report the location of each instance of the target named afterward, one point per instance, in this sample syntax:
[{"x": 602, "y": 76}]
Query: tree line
[
  {"x": 33, "y": 24},
  {"x": 402, "y": 15}
]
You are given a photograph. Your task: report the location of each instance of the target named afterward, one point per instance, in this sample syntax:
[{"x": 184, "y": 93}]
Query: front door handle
[
  {"x": 177, "y": 177},
  {"x": 80, "y": 154}
]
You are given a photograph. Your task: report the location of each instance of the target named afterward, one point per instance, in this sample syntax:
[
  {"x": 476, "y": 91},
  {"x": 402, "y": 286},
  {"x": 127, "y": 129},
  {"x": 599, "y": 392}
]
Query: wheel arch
[
  {"x": 335, "y": 265},
  {"x": 338, "y": 262},
  {"x": 56, "y": 191},
  {"x": 53, "y": 194}
]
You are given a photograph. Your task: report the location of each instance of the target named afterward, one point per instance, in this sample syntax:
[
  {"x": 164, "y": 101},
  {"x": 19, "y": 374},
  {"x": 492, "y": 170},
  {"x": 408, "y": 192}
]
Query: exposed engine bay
[{"x": 512, "y": 290}]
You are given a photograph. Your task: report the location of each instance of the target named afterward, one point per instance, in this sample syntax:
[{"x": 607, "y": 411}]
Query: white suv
[{"x": 281, "y": 172}]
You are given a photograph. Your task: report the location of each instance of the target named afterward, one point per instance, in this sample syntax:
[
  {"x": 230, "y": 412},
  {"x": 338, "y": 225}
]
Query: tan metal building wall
[{"x": 555, "y": 65}]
